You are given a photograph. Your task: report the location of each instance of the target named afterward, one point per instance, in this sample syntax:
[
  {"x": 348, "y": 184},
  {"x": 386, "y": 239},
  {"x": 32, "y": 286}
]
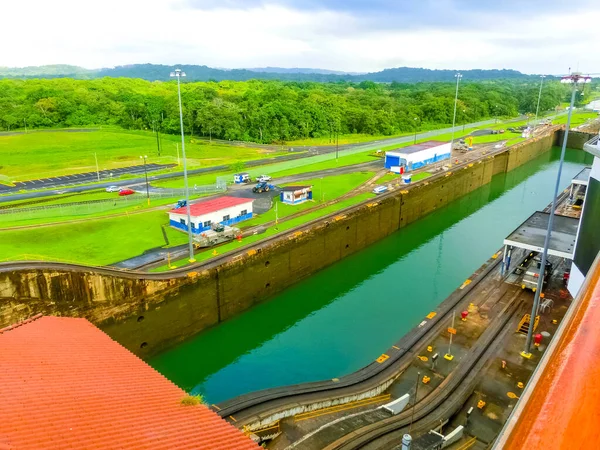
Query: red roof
[
  {"x": 215, "y": 204},
  {"x": 64, "y": 384}
]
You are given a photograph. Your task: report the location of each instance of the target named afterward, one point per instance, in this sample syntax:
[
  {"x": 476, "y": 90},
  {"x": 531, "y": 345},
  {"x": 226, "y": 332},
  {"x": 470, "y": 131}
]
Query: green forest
[{"x": 265, "y": 111}]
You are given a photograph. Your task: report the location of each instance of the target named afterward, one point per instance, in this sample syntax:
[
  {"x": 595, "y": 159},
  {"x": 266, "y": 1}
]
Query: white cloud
[{"x": 116, "y": 32}]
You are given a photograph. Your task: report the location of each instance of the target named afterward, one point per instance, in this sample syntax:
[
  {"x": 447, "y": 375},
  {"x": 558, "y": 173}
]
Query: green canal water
[{"x": 345, "y": 316}]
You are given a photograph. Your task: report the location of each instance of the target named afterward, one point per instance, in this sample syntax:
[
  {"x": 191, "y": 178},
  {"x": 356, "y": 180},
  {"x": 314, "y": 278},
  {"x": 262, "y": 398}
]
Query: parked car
[
  {"x": 264, "y": 178},
  {"x": 113, "y": 189},
  {"x": 126, "y": 191},
  {"x": 380, "y": 189}
]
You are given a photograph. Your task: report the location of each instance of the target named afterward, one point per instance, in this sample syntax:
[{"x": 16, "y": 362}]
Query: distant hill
[
  {"x": 154, "y": 72},
  {"x": 301, "y": 70},
  {"x": 61, "y": 70}
]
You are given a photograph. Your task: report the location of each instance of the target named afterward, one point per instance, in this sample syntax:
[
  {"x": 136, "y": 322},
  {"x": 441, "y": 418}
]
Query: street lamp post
[
  {"x": 458, "y": 77},
  {"x": 146, "y": 173},
  {"x": 178, "y": 74},
  {"x": 575, "y": 79},
  {"x": 537, "y": 109},
  {"x": 464, "y": 119},
  {"x": 416, "y": 118}
]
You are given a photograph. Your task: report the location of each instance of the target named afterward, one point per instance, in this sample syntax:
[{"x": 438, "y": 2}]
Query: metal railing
[{"x": 593, "y": 146}]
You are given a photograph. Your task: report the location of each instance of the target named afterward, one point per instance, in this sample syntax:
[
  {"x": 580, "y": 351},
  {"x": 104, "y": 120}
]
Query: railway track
[
  {"x": 286, "y": 401},
  {"x": 442, "y": 403}
]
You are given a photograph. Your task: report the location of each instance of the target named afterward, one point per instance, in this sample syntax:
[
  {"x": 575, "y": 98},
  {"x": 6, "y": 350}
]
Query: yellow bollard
[
  {"x": 429, "y": 348},
  {"x": 480, "y": 404},
  {"x": 426, "y": 379},
  {"x": 520, "y": 385},
  {"x": 214, "y": 253}
]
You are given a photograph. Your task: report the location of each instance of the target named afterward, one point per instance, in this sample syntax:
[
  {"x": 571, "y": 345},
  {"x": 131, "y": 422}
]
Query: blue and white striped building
[
  {"x": 416, "y": 156},
  {"x": 224, "y": 210}
]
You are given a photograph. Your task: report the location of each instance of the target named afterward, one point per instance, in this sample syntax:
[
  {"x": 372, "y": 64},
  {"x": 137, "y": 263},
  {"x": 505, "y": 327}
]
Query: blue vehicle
[
  {"x": 181, "y": 204},
  {"x": 262, "y": 187}
]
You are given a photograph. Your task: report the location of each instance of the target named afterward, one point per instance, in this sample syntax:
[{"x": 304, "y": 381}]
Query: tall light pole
[
  {"x": 458, "y": 77},
  {"x": 178, "y": 74},
  {"x": 537, "y": 109},
  {"x": 146, "y": 173},
  {"x": 575, "y": 79},
  {"x": 416, "y": 118},
  {"x": 97, "y": 168}
]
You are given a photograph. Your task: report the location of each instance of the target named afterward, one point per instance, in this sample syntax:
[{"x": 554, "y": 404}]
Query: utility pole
[
  {"x": 537, "y": 109},
  {"x": 97, "y": 168},
  {"x": 449, "y": 356},
  {"x": 146, "y": 173},
  {"x": 458, "y": 77},
  {"x": 178, "y": 74},
  {"x": 157, "y": 141},
  {"x": 412, "y": 418},
  {"x": 574, "y": 79},
  {"x": 416, "y": 118}
]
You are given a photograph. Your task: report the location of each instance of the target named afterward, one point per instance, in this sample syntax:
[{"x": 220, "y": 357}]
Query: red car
[{"x": 126, "y": 192}]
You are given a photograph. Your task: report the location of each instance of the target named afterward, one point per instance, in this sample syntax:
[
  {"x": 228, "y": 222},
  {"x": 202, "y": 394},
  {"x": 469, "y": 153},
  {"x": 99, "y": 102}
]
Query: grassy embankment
[
  {"x": 98, "y": 242},
  {"x": 49, "y": 154},
  {"x": 108, "y": 240}
]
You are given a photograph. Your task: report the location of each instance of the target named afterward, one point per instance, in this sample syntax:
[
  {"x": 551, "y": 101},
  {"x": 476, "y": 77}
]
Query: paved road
[
  {"x": 311, "y": 151},
  {"x": 81, "y": 178}
]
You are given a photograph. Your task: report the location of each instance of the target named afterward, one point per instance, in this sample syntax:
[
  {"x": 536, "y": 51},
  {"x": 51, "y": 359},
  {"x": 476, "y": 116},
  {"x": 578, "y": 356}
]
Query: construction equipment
[
  {"x": 217, "y": 234},
  {"x": 530, "y": 279},
  {"x": 262, "y": 187}
]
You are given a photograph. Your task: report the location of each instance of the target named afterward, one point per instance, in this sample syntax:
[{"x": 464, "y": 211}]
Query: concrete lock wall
[{"x": 149, "y": 315}]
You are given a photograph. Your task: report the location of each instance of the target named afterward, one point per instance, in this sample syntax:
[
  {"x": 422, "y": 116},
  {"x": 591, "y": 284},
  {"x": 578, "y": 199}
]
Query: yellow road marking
[
  {"x": 340, "y": 408},
  {"x": 468, "y": 444},
  {"x": 382, "y": 358},
  {"x": 431, "y": 315},
  {"x": 233, "y": 418},
  {"x": 216, "y": 407},
  {"x": 397, "y": 348}
]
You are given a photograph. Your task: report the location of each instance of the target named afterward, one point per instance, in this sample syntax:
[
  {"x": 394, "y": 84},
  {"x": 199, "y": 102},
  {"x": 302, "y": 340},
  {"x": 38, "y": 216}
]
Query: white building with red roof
[
  {"x": 223, "y": 210},
  {"x": 64, "y": 384}
]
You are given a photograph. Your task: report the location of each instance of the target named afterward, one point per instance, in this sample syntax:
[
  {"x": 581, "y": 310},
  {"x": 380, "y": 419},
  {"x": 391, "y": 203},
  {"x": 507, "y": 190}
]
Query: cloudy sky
[{"x": 532, "y": 36}]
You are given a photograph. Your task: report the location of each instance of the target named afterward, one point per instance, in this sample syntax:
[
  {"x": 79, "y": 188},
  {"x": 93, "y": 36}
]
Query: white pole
[
  {"x": 178, "y": 74},
  {"x": 97, "y": 169},
  {"x": 450, "y": 344},
  {"x": 537, "y": 109},
  {"x": 540, "y": 282},
  {"x": 458, "y": 77}
]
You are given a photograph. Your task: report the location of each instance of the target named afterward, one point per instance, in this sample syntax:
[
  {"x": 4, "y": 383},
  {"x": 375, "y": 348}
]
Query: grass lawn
[
  {"x": 391, "y": 177},
  {"x": 68, "y": 213},
  {"x": 41, "y": 154},
  {"x": 578, "y": 118},
  {"x": 208, "y": 253},
  {"x": 328, "y": 188},
  {"x": 281, "y": 169},
  {"x": 98, "y": 242},
  {"x": 344, "y": 139}
]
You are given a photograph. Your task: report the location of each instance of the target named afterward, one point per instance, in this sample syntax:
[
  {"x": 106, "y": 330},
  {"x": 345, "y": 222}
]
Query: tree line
[{"x": 265, "y": 111}]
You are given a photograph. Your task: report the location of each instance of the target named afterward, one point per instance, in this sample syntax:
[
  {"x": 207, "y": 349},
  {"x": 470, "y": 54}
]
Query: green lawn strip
[
  {"x": 37, "y": 155},
  {"x": 332, "y": 187},
  {"x": 208, "y": 253},
  {"x": 294, "y": 167},
  {"x": 578, "y": 118},
  {"x": 70, "y": 213},
  {"x": 98, "y": 242}
]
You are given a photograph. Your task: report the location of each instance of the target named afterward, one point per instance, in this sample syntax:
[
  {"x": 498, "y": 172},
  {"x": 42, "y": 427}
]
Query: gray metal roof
[
  {"x": 416, "y": 148},
  {"x": 531, "y": 234},
  {"x": 582, "y": 177}
]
